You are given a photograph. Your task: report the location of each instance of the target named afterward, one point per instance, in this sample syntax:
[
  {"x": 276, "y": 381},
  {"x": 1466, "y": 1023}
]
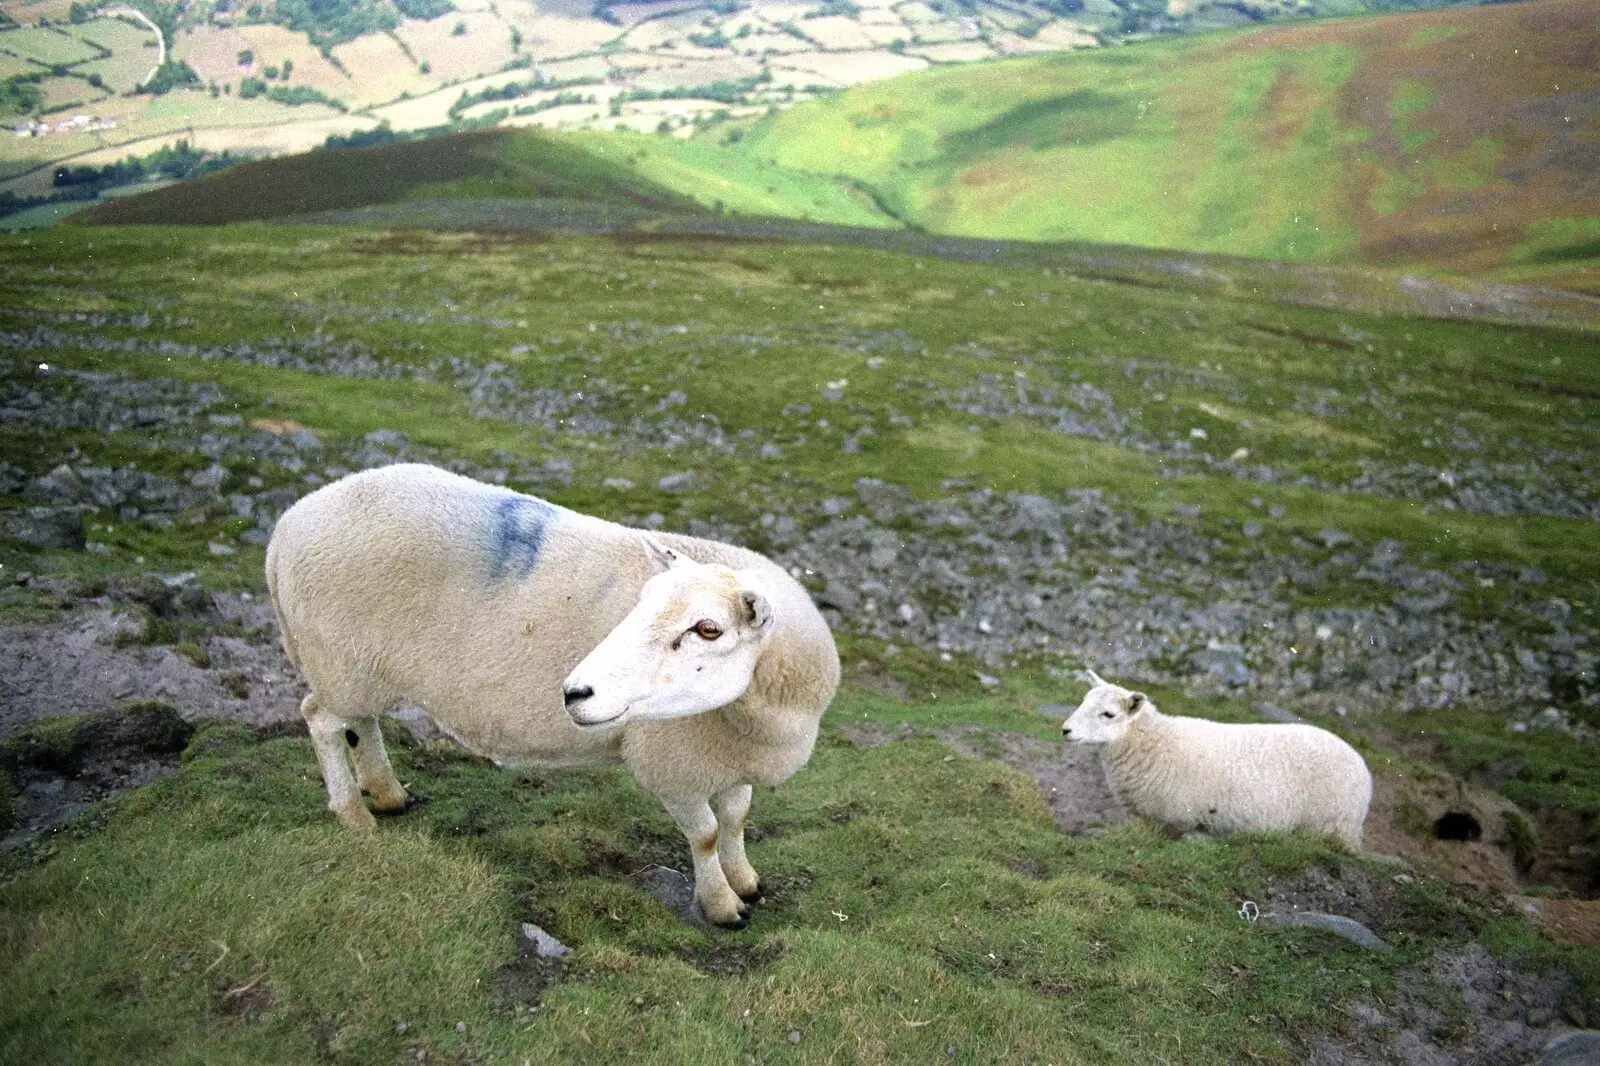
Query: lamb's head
[
  {"x": 689, "y": 646},
  {"x": 1105, "y": 713}
]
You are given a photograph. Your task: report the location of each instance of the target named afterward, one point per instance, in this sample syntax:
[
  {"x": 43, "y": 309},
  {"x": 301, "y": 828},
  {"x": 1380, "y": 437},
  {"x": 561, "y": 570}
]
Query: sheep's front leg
[
  {"x": 733, "y": 807},
  {"x": 717, "y": 900}
]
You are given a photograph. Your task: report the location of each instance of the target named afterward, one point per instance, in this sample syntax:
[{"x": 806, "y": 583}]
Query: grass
[
  {"x": 221, "y": 916},
  {"x": 924, "y": 906}
]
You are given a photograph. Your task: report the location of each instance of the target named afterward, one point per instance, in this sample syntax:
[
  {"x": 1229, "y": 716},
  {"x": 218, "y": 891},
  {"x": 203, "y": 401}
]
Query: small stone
[
  {"x": 461, "y": 1027},
  {"x": 216, "y": 548},
  {"x": 45, "y": 527},
  {"x": 794, "y": 1036},
  {"x": 1252, "y": 529},
  {"x": 401, "y": 1028},
  {"x": 1277, "y": 510},
  {"x": 1198, "y": 434},
  {"x": 1338, "y": 925},
  {"x": 1403, "y": 879},
  {"x": 620, "y": 483},
  {"x": 1334, "y": 538},
  {"x": 1186, "y": 510},
  {"x": 1571, "y": 1049},
  {"x": 544, "y": 945},
  {"x": 771, "y": 451},
  {"x": 906, "y": 613},
  {"x": 985, "y": 680},
  {"x": 681, "y": 482}
]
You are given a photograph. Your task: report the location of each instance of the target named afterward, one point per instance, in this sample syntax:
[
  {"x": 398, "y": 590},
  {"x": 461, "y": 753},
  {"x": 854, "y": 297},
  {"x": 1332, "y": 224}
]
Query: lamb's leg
[
  {"x": 374, "y": 774},
  {"x": 711, "y": 890},
  {"x": 733, "y": 806},
  {"x": 327, "y": 736}
]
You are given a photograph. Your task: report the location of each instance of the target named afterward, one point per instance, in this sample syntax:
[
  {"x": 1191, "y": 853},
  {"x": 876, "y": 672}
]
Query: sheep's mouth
[{"x": 603, "y": 722}]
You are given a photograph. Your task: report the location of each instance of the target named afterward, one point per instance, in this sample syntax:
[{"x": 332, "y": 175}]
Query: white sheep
[
  {"x": 1191, "y": 773},
  {"x": 539, "y": 636}
]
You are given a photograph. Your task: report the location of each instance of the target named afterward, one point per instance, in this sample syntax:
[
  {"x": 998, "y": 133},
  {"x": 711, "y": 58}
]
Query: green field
[
  {"x": 1400, "y": 140},
  {"x": 923, "y": 906}
]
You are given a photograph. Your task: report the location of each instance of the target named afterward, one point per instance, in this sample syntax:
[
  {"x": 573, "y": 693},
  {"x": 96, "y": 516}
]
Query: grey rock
[
  {"x": 211, "y": 479},
  {"x": 387, "y": 438},
  {"x": 1055, "y": 710},
  {"x": 1336, "y": 924},
  {"x": 1581, "y": 1048},
  {"x": 1252, "y": 530},
  {"x": 1334, "y": 538},
  {"x": 771, "y": 451},
  {"x": 1273, "y": 713},
  {"x": 45, "y": 527},
  {"x": 1223, "y": 663},
  {"x": 835, "y": 505},
  {"x": 620, "y": 483},
  {"x": 681, "y": 482},
  {"x": 544, "y": 945}
]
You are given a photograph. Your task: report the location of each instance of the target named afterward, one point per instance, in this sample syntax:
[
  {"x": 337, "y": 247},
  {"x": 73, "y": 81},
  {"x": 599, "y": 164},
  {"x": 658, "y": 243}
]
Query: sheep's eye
[
  {"x": 707, "y": 630},
  {"x": 1108, "y": 714}
]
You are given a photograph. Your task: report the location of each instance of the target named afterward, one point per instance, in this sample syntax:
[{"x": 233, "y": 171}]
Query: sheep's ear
[
  {"x": 1094, "y": 677},
  {"x": 757, "y": 611},
  {"x": 662, "y": 558},
  {"x": 1137, "y": 701}
]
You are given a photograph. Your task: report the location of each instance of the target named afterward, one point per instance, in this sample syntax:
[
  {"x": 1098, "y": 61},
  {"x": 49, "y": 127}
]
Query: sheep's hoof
[
  {"x": 741, "y": 922},
  {"x": 391, "y": 804},
  {"x": 357, "y": 817},
  {"x": 755, "y": 895}
]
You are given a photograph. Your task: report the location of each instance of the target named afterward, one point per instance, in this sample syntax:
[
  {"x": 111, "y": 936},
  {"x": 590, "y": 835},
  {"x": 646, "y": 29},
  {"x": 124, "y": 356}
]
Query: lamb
[
  {"x": 1190, "y": 773},
  {"x": 538, "y": 636}
]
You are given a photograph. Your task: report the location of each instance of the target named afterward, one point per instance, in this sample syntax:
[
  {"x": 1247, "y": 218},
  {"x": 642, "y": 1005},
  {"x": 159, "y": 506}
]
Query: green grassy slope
[{"x": 1456, "y": 139}]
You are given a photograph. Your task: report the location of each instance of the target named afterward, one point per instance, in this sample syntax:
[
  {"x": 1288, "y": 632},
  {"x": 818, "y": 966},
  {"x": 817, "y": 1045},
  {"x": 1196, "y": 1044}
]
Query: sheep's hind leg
[
  {"x": 733, "y": 807},
  {"x": 374, "y": 774},
  {"x": 327, "y": 736},
  {"x": 711, "y": 890}
]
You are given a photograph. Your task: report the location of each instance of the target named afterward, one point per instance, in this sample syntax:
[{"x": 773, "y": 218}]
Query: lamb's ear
[
  {"x": 757, "y": 611},
  {"x": 662, "y": 558},
  {"x": 1137, "y": 701},
  {"x": 1094, "y": 677}
]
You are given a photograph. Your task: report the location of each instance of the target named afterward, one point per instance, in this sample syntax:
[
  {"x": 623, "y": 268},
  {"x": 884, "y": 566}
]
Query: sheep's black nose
[
  {"x": 575, "y": 695},
  {"x": 1066, "y": 731}
]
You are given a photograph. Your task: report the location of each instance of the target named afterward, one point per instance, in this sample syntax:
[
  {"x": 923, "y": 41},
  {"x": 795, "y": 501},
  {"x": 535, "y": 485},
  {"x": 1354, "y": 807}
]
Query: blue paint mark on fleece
[{"x": 516, "y": 536}]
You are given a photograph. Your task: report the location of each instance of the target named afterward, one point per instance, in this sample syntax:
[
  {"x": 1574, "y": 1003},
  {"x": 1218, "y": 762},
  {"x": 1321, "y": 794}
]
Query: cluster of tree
[
  {"x": 723, "y": 92},
  {"x": 332, "y": 22},
  {"x": 175, "y": 163},
  {"x": 293, "y": 95},
  {"x": 20, "y": 94},
  {"x": 173, "y": 74}
]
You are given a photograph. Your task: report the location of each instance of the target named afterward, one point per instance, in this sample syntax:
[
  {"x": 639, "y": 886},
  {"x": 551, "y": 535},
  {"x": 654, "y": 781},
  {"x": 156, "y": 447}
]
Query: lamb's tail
[{"x": 289, "y": 648}]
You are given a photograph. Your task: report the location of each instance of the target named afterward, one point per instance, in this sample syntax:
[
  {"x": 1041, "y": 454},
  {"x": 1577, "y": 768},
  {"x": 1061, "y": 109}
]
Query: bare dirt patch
[
  {"x": 86, "y": 663},
  {"x": 59, "y": 775},
  {"x": 1069, "y": 775},
  {"x": 1498, "y": 1014}
]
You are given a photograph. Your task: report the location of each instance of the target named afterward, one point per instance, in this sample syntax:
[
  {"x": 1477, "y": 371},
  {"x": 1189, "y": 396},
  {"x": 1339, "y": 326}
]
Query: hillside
[
  {"x": 93, "y": 84},
  {"x": 1460, "y": 140},
  {"x": 490, "y": 163}
]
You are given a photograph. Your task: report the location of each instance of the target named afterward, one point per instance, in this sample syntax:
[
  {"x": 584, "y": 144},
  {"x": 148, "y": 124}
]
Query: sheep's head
[
  {"x": 689, "y": 646},
  {"x": 1105, "y": 714}
]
